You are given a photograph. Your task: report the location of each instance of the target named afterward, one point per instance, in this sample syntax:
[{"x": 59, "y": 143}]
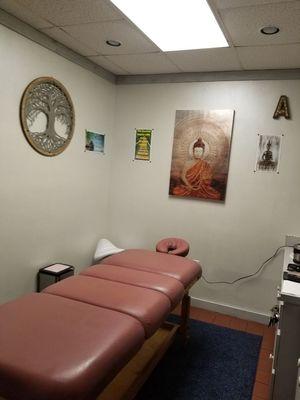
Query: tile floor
[{"x": 261, "y": 389}]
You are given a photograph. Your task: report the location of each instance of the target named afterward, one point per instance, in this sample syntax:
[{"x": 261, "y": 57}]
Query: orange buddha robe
[{"x": 198, "y": 178}]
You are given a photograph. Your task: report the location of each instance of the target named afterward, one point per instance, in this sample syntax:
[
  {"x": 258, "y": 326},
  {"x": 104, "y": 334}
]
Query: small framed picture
[
  {"x": 268, "y": 153},
  {"x": 143, "y": 144},
  {"x": 94, "y": 142}
]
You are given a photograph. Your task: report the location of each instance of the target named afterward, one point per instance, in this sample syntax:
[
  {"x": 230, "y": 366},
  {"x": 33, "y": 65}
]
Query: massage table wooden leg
[
  {"x": 185, "y": 315},
  {"x": 130, "y": 379}
]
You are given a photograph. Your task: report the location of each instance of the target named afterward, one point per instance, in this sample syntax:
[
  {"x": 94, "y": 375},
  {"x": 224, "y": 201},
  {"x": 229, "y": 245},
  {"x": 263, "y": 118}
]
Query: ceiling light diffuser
[{"x": 175, "y": 24}]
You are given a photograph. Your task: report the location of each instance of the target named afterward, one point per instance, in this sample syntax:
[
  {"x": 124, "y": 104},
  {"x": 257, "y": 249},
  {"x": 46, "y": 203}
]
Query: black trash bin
[{"x": 52, "y": 274}]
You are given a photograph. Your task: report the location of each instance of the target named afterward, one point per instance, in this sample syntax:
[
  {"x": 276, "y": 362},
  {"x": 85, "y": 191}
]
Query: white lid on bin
[
  {"x": 56, "y": 268},
  {"x": 105, "y": 248}
]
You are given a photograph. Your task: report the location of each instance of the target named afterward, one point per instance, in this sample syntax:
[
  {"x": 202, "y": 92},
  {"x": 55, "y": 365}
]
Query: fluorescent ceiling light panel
[{"x": 175, "y": 24}]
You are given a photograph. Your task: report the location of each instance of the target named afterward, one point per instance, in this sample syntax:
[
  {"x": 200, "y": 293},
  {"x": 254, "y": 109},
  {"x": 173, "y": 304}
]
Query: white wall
[
  {"x": 55, "y": 209},
  {"x": 232, "y": 238},
  {"x": 51, "y": 209}
]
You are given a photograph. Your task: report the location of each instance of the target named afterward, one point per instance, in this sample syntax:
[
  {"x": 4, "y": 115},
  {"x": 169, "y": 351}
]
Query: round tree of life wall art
[{"x": 47, "y": 116}]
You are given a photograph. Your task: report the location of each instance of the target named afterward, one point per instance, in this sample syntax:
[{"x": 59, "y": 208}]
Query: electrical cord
[{"x": 246, "y": 276}]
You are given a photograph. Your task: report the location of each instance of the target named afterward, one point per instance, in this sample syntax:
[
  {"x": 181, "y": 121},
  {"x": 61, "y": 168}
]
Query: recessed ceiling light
[
  {"x": 113, "y": 43},
  {"x": 175, "y": 25},
  {"x": 269, "y": 30}
]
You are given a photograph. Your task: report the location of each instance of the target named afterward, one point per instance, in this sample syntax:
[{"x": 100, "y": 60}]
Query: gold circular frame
[{"x": 47, "y": 143}]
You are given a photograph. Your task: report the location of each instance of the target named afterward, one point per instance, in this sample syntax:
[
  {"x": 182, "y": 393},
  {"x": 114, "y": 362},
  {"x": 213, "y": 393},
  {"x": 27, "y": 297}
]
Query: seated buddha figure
[
  {"x": 197, "y": 176},
  {"x": 266, "y": 162}
]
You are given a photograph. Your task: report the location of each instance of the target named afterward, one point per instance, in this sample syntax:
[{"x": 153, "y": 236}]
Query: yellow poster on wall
[{"x": 142, "y": 144}]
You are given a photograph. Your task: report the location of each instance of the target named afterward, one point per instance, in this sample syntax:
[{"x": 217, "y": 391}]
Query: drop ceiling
[{"x": 84, "y": 26}]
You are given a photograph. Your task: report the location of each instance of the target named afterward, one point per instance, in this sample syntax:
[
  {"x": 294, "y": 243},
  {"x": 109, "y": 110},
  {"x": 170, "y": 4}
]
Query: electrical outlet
[{"x": 291, "y": 240}]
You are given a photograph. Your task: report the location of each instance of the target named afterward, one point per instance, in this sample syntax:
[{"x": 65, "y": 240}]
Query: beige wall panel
[
  {"x": 230, "y": 239},
  {"x": 52, "y": 209}
]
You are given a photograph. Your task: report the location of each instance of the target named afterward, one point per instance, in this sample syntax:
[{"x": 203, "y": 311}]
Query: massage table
[{"x": 74, "y": 340}]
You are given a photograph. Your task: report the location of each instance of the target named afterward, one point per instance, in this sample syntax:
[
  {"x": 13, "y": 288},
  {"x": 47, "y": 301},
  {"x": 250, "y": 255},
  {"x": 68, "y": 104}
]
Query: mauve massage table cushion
[
  {"x": 69, "y": 341},
  {"x": 172, "y": 288},
  {"x": 55, "y": 348},
  {"x": 147, "y": 306},
  {"x": 183, "y": 269}
]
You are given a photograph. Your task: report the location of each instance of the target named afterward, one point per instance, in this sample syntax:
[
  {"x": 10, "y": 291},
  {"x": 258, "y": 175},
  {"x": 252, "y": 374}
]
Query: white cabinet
[
  {"x": 287, "y": 344},
  {"x": 298, "y": 382}
]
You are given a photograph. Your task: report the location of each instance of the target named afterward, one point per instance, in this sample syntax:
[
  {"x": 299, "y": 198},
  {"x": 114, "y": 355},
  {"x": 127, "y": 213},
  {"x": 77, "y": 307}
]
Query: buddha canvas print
[{"x": 200, "y": 158}]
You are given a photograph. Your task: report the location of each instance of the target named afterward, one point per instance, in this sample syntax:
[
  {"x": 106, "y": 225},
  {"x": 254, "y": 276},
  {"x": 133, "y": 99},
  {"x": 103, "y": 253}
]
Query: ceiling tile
[
  {"x": 63, "y": 37},
  {"x": 155, "y": 63},
  {"x": 223, "y": 4},
  {"x": 270, "y": 57},
  {"x": 25, "y": 15},
  {"x": 96, "y": 34},
  {"x": 108, "y": 64},
  {"x": 71, "y": 12},
  {"x": 87, "y": 24},
  {"x": 222, "y": 59},
  {"x": 244, "y": 24}
]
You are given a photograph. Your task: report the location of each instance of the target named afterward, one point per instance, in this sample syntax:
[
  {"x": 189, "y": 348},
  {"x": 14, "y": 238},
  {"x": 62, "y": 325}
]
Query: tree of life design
[{"x": 46, "y": 100}]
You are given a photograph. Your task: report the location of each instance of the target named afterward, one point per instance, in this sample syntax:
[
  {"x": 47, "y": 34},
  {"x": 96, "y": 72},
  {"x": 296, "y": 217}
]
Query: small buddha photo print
[
  {"x": 268, "y": 153},
  {"x": 200, "y": 157}
]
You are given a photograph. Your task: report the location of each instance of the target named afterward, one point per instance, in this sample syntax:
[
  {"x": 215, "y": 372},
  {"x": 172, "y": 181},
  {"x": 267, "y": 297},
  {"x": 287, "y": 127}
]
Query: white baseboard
[{"x": 230, "y": 310}]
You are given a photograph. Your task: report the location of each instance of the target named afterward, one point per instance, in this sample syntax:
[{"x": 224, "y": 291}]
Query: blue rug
[{"x": 217, "y": 364}]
